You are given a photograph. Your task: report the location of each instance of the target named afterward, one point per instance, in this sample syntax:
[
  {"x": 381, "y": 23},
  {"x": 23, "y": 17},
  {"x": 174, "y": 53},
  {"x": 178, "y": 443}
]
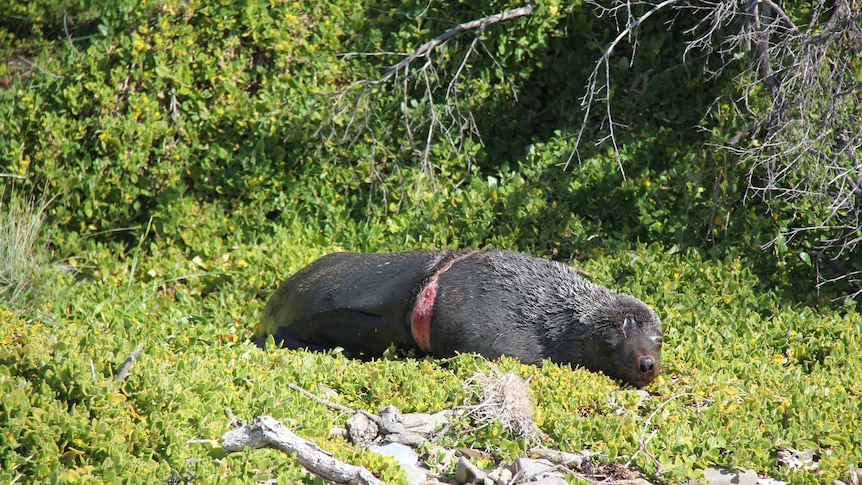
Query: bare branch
[
  {"x": 593, "y": 91},
  {"x": 782, "y": 14},
  {"x": 433, "y": 104},
  {"x": 320, "y": 400},
  {"x": 425, "y": 49},
  {"x": 802, "y": 142}
]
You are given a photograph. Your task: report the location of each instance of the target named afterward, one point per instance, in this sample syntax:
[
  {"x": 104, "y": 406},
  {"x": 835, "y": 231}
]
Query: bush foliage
[{"x": 196, "y": 153}]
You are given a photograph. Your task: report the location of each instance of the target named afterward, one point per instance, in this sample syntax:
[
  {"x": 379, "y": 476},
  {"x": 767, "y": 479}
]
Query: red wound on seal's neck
[
  {"x": 423, "y": 308},
  {"x": 420, "y": 317}
]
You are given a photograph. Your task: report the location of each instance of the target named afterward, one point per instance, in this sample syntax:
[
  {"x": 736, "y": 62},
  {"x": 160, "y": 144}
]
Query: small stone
[
  {"x": 361, "y": 430},
  {"x": 404, "y": 455},
  {"x": 770, "y": 481},
  {"x": 500, "y": 476},
  {"x": 415, "y": 474},
  {"x": 406, "y": 438},
  {"x": 474, "y": 454},
  {"x": 854, "y": 475},
  {"x": 581, "y": 460},
  {"x": 391, "y": 420},
  {"x": 468, "y": 473},
  {"x": 726, "y": 476}
]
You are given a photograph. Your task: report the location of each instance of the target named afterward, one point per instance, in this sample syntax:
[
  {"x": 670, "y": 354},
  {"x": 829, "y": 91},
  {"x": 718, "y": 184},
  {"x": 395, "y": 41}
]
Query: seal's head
[{"x": 627, "y": 341}]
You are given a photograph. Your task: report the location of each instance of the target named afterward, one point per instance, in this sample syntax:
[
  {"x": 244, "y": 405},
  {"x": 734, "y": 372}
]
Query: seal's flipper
[{"x": 360, "y": 334}]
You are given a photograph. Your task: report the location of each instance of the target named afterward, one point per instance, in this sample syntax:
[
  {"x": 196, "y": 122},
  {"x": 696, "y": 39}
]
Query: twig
[
  {"x": 781, "y": 13},
  {"x": 36, "y": 66},
  {"x": 643, "y": 442},
  {"x": 268, "y": 432},
  {"x": 127, "y": 365},
  {"x": 750, "y": 128},
  {"x": 589, "y": 98},
  {"x": 320, "y": 400},
  {"x": 429, "y": 46}
]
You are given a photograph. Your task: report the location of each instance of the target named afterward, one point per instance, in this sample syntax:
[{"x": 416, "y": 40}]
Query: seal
[{"x": 444, "y": 302}]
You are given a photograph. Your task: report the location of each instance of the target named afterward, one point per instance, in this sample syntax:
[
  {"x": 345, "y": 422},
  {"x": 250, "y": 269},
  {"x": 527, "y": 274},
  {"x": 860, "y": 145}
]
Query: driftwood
[{"x": 268, "y": 432}]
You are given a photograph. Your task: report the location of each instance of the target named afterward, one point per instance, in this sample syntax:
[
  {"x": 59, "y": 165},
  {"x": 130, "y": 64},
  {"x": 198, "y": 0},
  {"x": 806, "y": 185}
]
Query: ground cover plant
[{"x": 167, "y": 164}]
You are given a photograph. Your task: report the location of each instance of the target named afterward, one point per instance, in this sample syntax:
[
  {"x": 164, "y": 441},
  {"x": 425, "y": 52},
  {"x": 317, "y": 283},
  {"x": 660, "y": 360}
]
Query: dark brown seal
[{"x": 441, "y": 302}]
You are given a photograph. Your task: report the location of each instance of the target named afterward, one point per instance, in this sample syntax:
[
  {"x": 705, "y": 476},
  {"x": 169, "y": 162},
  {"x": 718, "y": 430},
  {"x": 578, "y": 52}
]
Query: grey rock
[
  {"x": 580, "y": 460},
  {"x": 770, "y": 481},
  {"x": 727, "y": 476},
  {"x": 338, "y": 431},
  {"x": 406, "y": 438},
  {"x": 500, "y": 476},
  {"x": 361, "y": 429},
  {"x": 415, "y": 474},
  {"x": 391, "y": 420},
  {"x": 404, "y": 455},
  {"x": 468, "y": 473}
]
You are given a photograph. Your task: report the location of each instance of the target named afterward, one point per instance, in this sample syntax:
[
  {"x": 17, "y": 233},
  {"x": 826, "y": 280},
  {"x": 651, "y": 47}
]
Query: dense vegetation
[{"x": 183, "y": 157}]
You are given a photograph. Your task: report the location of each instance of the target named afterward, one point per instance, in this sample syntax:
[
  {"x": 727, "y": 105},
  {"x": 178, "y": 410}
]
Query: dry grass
[
  {"x": 22, "y": 251},
  {"x": 505, "y": 397}
]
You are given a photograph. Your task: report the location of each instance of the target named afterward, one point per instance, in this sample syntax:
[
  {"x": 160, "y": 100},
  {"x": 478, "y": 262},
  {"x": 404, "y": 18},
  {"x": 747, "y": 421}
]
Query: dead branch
[
  {"x": 798, "y": 141},
  {"x": 268, "y": 432},
  {"x": 593, "y": 91},
  {"x": 426, "y": 98},
  {"x": 425, "y": 49}
]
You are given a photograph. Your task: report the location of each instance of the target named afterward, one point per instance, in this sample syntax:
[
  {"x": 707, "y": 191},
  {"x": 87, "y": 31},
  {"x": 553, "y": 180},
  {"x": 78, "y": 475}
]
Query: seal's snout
[{"x": 647, "y": 364}]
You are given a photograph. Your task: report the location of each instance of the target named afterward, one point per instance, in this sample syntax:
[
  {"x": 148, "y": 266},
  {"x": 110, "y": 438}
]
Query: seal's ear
[{"x": 627, "y": 324}]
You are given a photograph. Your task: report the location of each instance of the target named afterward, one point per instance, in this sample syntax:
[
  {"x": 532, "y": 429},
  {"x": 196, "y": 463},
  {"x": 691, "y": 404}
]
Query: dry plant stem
[
  {"x": 643, "y": 442},
  {"x": 426, "y": 119},
  {"x": 127, "y": 365},
  {"x": 320, "y": 400},
  {"x": 268, "y": 432},
  {"x": 802, "y": 145}
]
